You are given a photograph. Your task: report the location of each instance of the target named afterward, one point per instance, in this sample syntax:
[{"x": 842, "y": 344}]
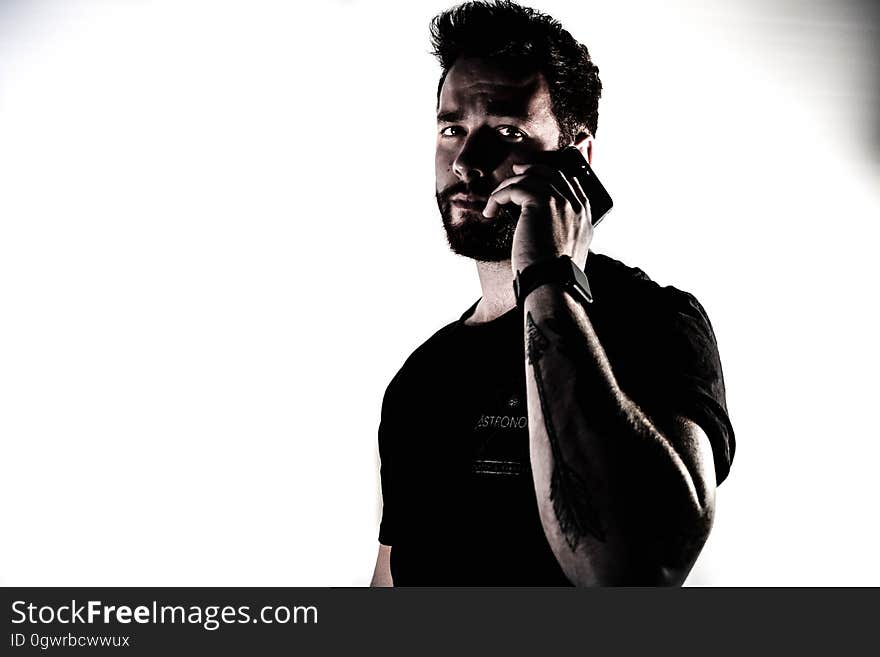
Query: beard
[{"x": 475, "y": 236}]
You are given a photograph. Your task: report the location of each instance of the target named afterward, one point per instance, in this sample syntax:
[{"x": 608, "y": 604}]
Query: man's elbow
[
  {"x": 661, "y": 554},
  {"x": 679, "y": 548}
]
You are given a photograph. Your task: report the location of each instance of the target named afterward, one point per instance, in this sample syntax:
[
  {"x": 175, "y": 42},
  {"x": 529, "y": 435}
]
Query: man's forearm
[{"x": 616, "y": 500}]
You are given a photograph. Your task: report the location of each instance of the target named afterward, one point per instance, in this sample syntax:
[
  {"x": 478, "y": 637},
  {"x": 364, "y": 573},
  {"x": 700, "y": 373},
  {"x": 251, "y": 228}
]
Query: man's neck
[{"x": 496, "y": 280}]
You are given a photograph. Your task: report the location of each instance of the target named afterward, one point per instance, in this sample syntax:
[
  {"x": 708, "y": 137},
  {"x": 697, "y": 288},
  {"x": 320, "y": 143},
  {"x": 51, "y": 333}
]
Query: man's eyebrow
[
  {"x": 450, "y": 116},
  {"x": 504, "y": 107}
]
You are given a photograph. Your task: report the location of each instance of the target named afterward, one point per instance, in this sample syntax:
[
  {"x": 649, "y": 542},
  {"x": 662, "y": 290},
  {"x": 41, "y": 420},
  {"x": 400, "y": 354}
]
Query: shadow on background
[{"x": 870, "y": 11}]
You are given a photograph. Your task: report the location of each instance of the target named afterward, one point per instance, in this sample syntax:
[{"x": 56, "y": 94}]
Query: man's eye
[
  {"x": 450, "y": 131},
  {"x": 510, "y": 132}
]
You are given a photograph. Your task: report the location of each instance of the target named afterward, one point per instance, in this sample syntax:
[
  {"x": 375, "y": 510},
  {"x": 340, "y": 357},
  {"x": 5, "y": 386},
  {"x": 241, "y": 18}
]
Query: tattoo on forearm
[
  {"x": 537, "y": 341},
  {"x": 572, "y": 504}
]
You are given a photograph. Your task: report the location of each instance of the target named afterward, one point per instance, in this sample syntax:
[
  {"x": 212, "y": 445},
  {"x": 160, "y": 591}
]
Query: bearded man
[{"x": 570, "y": 428}]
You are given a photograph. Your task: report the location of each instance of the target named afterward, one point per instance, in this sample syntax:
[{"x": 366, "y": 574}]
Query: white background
[{"x": 218, "y": 242}]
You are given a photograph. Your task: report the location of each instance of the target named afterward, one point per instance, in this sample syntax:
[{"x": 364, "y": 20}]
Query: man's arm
[
  {"x": 382, "y": 571},
  {"x": 621, "y": 500}
]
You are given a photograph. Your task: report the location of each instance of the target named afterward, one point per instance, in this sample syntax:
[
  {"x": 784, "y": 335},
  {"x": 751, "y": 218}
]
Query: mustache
[{"x": 477, "y": 188}]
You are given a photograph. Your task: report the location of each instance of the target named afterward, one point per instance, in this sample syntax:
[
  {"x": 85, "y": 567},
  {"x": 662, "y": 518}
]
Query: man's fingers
[
  {"x": 574, "y": 193},
  {"x": 576, "y": 183},
  {"x": 509, "y": 181},
  {"x": 522, "y": 191}
]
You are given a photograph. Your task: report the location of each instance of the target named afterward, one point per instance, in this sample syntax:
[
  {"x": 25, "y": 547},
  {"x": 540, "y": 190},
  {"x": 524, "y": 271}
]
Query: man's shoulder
[
  {"x": 630, "y": 288},
  {"x": 427, "y": 355},
  {"x": 435, "y": 345},
  {"x": 623, "y": 294}
]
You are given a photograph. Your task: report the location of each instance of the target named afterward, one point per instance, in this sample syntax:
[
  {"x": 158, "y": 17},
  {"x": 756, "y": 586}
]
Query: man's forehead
[{"x": 477, "y": 80}]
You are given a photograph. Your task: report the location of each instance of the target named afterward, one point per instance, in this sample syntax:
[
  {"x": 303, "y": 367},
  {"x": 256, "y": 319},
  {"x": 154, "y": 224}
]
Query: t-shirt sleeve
[
  {"x": 388, "y": 441},
  {"x": 687, "y": 378}
]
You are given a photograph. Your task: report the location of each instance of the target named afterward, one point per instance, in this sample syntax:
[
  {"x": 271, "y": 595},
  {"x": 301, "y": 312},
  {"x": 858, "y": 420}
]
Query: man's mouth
[{"x": 469, "y": 202}]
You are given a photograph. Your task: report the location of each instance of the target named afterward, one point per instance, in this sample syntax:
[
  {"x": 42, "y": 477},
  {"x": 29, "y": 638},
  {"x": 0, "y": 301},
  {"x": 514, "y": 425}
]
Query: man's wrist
[{"x": 558, "y": 271}]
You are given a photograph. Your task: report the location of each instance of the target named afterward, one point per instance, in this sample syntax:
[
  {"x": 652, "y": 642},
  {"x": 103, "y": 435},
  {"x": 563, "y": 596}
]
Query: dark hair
[{"x": 512, "y": 35}]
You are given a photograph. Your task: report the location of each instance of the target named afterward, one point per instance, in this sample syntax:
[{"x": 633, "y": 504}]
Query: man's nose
[{"x": 476, "y": 159}]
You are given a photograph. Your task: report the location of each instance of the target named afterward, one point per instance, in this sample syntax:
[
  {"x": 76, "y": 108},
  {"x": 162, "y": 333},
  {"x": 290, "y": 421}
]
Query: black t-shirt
[{"x": 459, "y": 504}]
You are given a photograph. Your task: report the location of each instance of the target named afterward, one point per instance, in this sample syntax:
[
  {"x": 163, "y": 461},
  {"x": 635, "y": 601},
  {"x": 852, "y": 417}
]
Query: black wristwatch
[{"x": 559, "y": 270}]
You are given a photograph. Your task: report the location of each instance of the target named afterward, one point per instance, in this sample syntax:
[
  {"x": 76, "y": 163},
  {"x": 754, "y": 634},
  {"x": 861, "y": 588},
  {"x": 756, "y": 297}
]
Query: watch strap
[{"x": 561, "y": 270}]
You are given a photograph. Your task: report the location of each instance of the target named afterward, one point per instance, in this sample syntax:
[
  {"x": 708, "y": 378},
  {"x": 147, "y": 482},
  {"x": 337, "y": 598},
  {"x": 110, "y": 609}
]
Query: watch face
[{"x": 581, "y": 282}]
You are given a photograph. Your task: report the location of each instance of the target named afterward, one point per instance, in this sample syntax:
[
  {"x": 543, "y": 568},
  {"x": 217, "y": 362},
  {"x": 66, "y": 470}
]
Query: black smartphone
[{"x": 573, "y": 163}]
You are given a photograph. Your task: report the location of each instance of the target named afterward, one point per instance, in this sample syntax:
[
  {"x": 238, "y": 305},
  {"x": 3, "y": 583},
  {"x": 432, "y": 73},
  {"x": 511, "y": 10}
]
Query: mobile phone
[{"x": 573, "y": 163}]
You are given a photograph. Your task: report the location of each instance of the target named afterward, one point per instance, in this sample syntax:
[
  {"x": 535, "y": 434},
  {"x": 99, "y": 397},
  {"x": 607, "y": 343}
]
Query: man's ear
[{"x": 584, "y": 143}]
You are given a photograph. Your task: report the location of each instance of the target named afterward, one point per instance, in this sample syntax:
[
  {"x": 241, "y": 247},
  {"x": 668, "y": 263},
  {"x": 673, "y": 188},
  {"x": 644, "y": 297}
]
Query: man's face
[{"x": 488, "y": 119}]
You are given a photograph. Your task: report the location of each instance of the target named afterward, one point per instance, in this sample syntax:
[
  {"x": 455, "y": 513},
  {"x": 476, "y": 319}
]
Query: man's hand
[{"x": 555, "y": 214}]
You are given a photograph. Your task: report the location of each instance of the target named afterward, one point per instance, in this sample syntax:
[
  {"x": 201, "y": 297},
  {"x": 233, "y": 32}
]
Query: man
[{"x": 544, "y": 439}]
